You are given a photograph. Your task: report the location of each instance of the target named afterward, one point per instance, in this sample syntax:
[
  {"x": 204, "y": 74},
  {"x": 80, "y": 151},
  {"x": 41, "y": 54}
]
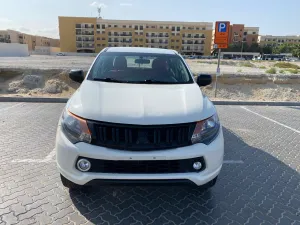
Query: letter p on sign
[{"x": 222, "y": 27}]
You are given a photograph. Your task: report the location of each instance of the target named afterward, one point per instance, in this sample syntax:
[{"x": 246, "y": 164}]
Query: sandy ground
[{"x": 53, "y": 81}]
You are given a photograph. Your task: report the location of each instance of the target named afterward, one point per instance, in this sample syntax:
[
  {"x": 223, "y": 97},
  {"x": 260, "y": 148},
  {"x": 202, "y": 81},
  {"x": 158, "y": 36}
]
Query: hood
[{"x": 142, "y": 104}]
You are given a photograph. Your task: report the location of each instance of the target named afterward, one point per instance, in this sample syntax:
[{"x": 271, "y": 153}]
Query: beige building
[
  {"x": 12, "y": 36},
  {"x": 278, "y": 40},
  {"x": 80, "y": 34}
]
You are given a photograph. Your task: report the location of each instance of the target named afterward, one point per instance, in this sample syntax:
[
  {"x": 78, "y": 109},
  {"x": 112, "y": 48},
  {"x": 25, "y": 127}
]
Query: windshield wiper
[
  {"x": 151, "y": 81},
  {"x": 112, "y": 80}
]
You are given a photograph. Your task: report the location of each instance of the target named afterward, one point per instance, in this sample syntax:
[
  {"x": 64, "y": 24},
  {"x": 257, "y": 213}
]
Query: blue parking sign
[{"x": 222, "y": 27}]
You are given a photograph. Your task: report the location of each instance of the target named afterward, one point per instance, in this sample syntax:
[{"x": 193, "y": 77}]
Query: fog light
[
  {"x": 197, "y": 165},
  {"x": 84, "y": 165}
]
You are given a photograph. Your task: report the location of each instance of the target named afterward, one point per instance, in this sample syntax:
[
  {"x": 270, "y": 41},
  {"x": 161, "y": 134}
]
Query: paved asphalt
[{"x": 264, "y": 189}]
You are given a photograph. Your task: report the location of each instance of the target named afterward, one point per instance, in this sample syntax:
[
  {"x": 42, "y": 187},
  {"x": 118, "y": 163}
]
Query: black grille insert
[
  {"x": 139, "y": 137},
  {"x": 144, "y": 166}
]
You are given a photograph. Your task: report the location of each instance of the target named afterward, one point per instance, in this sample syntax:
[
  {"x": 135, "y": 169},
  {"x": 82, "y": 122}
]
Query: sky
[{"x": 273, "y": 17}]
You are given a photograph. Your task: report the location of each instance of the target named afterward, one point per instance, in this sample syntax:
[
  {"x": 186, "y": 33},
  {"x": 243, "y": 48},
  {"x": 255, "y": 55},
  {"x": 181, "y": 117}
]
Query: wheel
[
  {"x": 210, "y": 184},
  {"x": 69, "y": 184}
]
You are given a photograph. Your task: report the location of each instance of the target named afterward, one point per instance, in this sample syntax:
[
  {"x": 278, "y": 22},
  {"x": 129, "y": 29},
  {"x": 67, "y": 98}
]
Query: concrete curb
[{"x": 64, "y": 100}]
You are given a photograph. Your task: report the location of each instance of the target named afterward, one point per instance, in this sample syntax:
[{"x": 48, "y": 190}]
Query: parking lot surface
[{"x": 259, "y": 182}]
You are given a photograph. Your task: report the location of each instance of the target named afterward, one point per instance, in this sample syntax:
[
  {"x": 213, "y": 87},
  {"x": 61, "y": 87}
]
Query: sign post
[
  {"x": 221, "y": 41},
  {"x": 218, "y": 72}
]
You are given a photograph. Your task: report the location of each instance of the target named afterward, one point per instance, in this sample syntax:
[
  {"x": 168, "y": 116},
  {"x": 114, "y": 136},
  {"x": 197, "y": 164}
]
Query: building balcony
[
  {"x": 193, "y": 37},
  {"x": 192, "y": 50},
  {"x": 119, "y": 34},
  {"x": 85, "y": 46},
  {"x": 85, "y": 40},
  {"x": 194, "y": 43},
  {"x": 85, "y": 33}
]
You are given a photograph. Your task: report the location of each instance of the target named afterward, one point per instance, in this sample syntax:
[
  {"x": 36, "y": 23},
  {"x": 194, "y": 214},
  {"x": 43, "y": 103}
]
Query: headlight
[
  {"x": 75, "y": 128},
  {"x": 206, "y": 130}
]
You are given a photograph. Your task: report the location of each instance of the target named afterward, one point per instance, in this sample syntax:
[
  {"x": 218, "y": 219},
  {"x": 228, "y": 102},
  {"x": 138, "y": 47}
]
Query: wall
[
  {"x": 44, "y": 50},
  {"x": 76, "y": 54},
  {"x": 13, "y": 50}
]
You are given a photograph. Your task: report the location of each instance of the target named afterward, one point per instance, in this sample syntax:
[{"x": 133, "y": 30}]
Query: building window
[
  {"x": 98, "y": 32},
  {"x": 103, "y": 45},
  {"x": 98, "y": 39},
  {"x": 136, "y": 27},
  {"x": 141, "y": 33},
  {"x": 167, "y": 27},
  {"x": 78, "y": 25},
  {"x": 254, "y": 32},
  {"x": 173, "y": 28},
  {"x": 109, "y": 25},
  {"x": 178, "y": 28},
  {"x": 141, "y": 27},
  {"x": 136, "y": 39},
  {"x": 245, "y": 33},
  {"x": 103, "y": 26},
  {"x": 124, "y": 26},
  {"x": 153, "y": 27},
  {"x": 161, "y": 27},
  {"x": 197, "y": 28},
  {"x": 109, "y": 45},
  {"x": 203, "y": 28},
  {"x": 103, "y": 39},
  {"x": 141, "y": 39},
  {"x": 115, "y": 25},
  {"x": 136, "y": 33},
  {"x": 103, "y": 32},
  {"x": 98, "y": 26},
  {"x": 98, "y": 45}
]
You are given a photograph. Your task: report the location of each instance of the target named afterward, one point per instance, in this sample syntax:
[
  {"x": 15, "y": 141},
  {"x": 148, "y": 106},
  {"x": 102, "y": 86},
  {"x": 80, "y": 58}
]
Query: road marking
[
  {"x": 274, "y": 121},
  {"x": 50, "y": 156},
  {"x": 233, "y": 161},
  {"x": 47, "y": 159},
  {"x": 21, "y": 103}
]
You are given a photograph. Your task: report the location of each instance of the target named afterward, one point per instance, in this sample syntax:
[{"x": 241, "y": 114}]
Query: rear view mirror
[
  {"x": 204, "y": 80},
  {"x": 142, "y": 61},
  {"x": 77, "y": 75}
]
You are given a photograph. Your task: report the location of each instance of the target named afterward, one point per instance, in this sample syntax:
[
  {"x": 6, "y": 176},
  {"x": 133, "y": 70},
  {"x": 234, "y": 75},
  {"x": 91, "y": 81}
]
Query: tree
[
  {"x": 296, "y": 51},
  {"x": 266, "y": 49}
]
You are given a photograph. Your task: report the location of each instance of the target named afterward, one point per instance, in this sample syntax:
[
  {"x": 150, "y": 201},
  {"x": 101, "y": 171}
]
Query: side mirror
[
  {"x": 204, "y": 80},
  {"x": 77, "y": 75}
]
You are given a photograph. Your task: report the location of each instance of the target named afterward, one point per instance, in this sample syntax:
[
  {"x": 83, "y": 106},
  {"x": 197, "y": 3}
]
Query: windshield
[{"x": 140, "y": 68}]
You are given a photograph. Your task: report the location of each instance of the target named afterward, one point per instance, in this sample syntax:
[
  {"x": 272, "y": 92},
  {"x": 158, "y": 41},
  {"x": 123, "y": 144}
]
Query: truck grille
[
  {"x": 144, "y": 166},
  {"x": 139, "y": 137}
]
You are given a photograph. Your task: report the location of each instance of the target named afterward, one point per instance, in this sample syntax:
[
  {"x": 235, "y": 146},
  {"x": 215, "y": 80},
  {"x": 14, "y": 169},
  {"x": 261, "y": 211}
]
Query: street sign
[
  {"x": 222, "y": 45},
  {"x": 222, "y": 34},
  {"x": 222, "y": 40}
]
